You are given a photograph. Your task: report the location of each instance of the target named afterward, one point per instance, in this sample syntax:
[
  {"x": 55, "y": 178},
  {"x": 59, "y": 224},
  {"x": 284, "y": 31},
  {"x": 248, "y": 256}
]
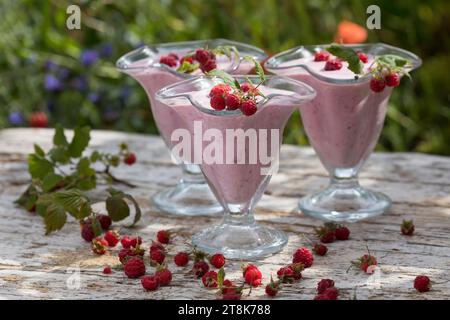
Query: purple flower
[
  {"x": 80, "y": 83},
  {"x": 49, "y": 65},
  {"x": 16, "y": 118},
  {"x": 94, "y": 97},
  {"x": 88, "y": 57},
  {"x": 51, "y": 83},
  {"x": 106, "y": 50}
]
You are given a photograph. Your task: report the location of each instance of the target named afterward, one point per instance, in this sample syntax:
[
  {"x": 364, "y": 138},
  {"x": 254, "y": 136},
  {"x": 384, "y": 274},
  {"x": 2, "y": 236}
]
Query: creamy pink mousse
[{"x": 344, "y": 121}]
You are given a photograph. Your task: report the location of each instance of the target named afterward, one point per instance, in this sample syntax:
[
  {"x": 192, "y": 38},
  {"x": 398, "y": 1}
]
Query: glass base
[
  {"x": 188, "y": 199},
  {"x": 344, "y": 204},
  {"x": 243, "y": 242}
]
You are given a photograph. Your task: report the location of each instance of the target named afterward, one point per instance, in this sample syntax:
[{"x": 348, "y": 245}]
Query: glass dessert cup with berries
[
  {"x": 159, "y": 65},
  {"x": 238, "y": 184},
  {"x": 344, "y": 121}
]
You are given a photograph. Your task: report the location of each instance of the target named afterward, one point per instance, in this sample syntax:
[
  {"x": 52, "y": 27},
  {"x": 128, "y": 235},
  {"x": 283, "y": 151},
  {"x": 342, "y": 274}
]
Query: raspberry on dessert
[
  {"x": 157, "y": 257},
  {"x": 245, "y": 87},
  {"x": 392, "y": 80},
  {"x": 248, "y": 107},
  {"x": 208, "y": 66},
  {"x": 333, "y": 64},
  {"x": 150, "y": 283},
  {"x": 107, "y": 270},
  {"x": 321, "y": 56},
  {"x": 134, "y": 268},
  {"x": 202, "y": 56},
  {"x": 422, "y": 283},
  {"x": 112, "y": 237},
  {"x": 233, "y": 101},
  {"x": 320, "y": 249},
  {"x": 38, "y": 120},
  {"x": 217, "y": 102},
  {"x": 252, "y": 275},
  {"x": 342, "y": 233},
  {"x": 99, "y": 245},
  {"x": 200, "y": 268},
  {"x": 181, "y": 259},
  {"x": 164, "y": 276},
  {"x": 168, "y": 60},
  {"x": 188, "y": 59},
  {"x": 173, "y": 55},
  {"x": 104, "y": 220},
  {"x": 220, "y": 89},
  {"x": 217, "y": 260},
  {"x": 304, "y": 256},
  {"x": 163, "y": 236},
  {"x": 209, "y": 279},
  {"x": 362, "y": 56},
  {"x": 407, "y": 227},
  {"x": 377, "y": 85},
  {"x": 324, "y": 284},
  {"x": 130, "y": 159}
]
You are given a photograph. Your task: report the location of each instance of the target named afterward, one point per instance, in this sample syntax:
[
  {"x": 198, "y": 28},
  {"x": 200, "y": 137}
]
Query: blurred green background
[{"x": 70, "y": 75}]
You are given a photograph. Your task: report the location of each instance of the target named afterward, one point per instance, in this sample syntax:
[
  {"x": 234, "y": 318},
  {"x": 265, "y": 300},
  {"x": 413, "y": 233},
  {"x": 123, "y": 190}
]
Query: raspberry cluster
[
  {"x": 243, "y": 97},
  {"x": 202, "y": 58}
]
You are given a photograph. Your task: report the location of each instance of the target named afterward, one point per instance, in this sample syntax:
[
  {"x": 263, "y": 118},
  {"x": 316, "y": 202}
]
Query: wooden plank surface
[{"x": 61, "y": 266}]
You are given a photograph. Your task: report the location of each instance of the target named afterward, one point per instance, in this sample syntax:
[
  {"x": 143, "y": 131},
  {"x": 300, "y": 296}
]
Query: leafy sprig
[{"x": 347, "y": 54}]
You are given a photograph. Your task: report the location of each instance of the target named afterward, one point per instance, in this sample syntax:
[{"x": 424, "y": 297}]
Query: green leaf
[
  {"x": 226, "y": 50},
  {"x": 28, "y": 198},
  {"x": 95, "y": 156},
  {"x": 392, "y": 60},
  {"x": 59, "y": 154},
  {"x": 258, "y": 68},
  {"x": 39, "y": 167},
  {"x": 117, "y": 208},
  {"x": 84, "y": 168},
  {"x": 55, "y": 218},
  {"x": 79, "y": 142},
  {"x": 38, "y": 150},
  {"x": 187, "y": 67},
  {"x": 220, "y": 277},
  {"x": 50, "y": 181},
  {"x": 117, "y": 193},
  {"x": 87, "y": 183},
  {"x": 59, "y": 139},
  {"x": 71, "y": 199},
  {"x": 347, "y": 54},
  {"x": 227, "y": 78}
]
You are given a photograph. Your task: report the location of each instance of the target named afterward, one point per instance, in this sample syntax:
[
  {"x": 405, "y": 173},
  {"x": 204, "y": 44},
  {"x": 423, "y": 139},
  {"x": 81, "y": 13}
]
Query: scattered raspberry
[
  {"x": 286, "y": 274},
  {"x": 362, "y": 56},
  {"x": 128, "y": 242},
  {"x": 342, "y": 233},
  {"x": 333, "y": 64},
  {"x": 105, "y": 221},
  {"x": 320, "y": 249},
  {"x": 112, "y": 237},
  {"x": 298, "y": 268},
  {"x": 217, "y": 260},
  {"x": 232, "y": 296},
  {"x": 181, "y": 259},
  {"x": 157, "y": 257},
  {"x": 163, "y": 236},
  {"x": 272, "y": 288},
  {"x": 232, "y": 101},
  {"x": 168, "y": 60},
  {"x": 126, "y": 253},
  {"x": 422, "y": 283},
  {"x": 150, "y": 283},
  {"x": 134, "y": 268},
  {"x": 99, "y": 245},
  {"x": 130, "y": 159},
  {"x": 107, "y": 270},
  {"x": 321, "y": 56},
  {"x": 221, "y": 89},
  {"x": 202, "y": 56},
  {"x": 200, "y": 268},
  {"x": 326, "y": 234},
  {"x": 377, "y": 85},
  {"x": 208, "y": 66},
  {"x": 304, "y": 256},
  {"x": 209, "y": 279},
  {"x": 252, "y": 275},
  {"x": 217, "y": 102},
  {"x": 407, "y": 227},
  {"x": 324, "y": 284},
  {"x": 87, "y": 232},
  {"x": 38, "y": 120},
  {"x": 322, "y": 297},
  {"x": 164, "y": 276},
  {"x": 366, "y": 263},
  {"x": 248, "y": 107},
  {"x": 392, "y": 80},
  {"x": 157, "y": 246},
  {"x": 228, "y": 287},
  {"x": 332, "y": 293}
]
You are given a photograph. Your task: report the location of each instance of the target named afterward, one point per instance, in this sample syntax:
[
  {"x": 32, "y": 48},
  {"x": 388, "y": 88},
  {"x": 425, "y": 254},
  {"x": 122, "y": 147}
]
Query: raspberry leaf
[
  {"x": 38, "y": 166},
  {"x": 55, "y": 217},
  {"x": 228, "y": 79},
  {"x": 187, "y": 67},
  {"x": 121, "y": 195},
  {"x": 220, "y": 277},
  {"x": 347, "y": 54},
  {"x": 258, "y": 69},
  {"x": 50, "y": 181},
  {"x": 59, "y": 139},
  {"x": 226, "y": 51},
  {"x": 79, "y": 141},
  {"x": 117, "y": 208}
]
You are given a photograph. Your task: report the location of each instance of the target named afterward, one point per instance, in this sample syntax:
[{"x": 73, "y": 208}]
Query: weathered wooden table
[{"x": 61, "y": 266}]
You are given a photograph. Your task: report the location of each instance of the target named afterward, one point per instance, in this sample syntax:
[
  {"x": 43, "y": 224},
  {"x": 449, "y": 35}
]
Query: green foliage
[{"x": 34, "y": 32}]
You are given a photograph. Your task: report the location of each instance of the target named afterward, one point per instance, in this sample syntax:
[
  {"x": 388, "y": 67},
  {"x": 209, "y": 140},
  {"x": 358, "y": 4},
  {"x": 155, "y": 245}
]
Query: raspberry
[
  {"x": 181, "y": 259},
  {"x": 392, "y": 80},
  {"x": 252, "y": 275},
  {"x": 128, "y": 242},
  {"x": 362, "y": 56},
  {"x": 87, "y": 232},
  {"x": 333, "y": 64},
  {"x": 407, "y": 227},
  {"x": 228, "y": 286},
  {"x": 377, "y": 85},
  {"x": 163, "y": 236},
  {"x": 326, "y": 233},
  {"x": 150, "y": 283},
  {"x": 286, "y": 274},
  {"x": 168, "y": 60},
  {"x": 217, "y": 102},
  {"x": 208, "y": 66},
  {"x": 157, "y": 246},
  {"x": 107, "y": 270},
  {"x": 233, "y": 101},
  {"x": 322, "y": 297},
  {"x": 320, "y": 249},
  {"x": 112, "y": 237},
  {"x": 298, "y": 268},
  {"x": 342, "y": 233},
  {"x": 422, "y": 283},
  {"x": 217, "y": 260},
  {"x": 99, "y": 245},
  {"x": 321, "y": 56},
  {"x": 173, "y": 55},
  {"x": 232, "y": 296},
  {"x": 246, "y": 86},
  {"x": 272, "y": 288},
  {"x": 130, "y": 159},
  {"x": 221, "y": 89},
  {"x": 303, "y": 255},
  {"x": 202, "y": 56},
  {"x": 200, "y": 268},
  {"x": 332, "y": 293},
  {"x": 126, "y": 253},
  {"x": 366, "y": 263},
  {"x": 157, "y": 257},
  {"x": 209, "y": 279},
  {"x": 324, "y": 284},
  {"x": 134, "y": 268},
  {"x": 164, "y": 276},
  {"x": 248, "y": 107},
  {"x": 105, "y": 221},
  {"x": 38, "y": 120},
  {"x": 188, "y": 59}
]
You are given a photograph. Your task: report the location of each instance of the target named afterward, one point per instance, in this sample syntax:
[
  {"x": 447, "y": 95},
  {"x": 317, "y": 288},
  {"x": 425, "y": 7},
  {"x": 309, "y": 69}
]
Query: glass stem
[
  {"x": 236, "y": 215},
  {"x": 192, "y": 174},
  {"x": 344, "y": 179}
]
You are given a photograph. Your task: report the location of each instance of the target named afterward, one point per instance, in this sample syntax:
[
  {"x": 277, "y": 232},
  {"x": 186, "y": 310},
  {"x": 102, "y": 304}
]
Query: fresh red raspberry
[
  {"x": 377, "y": 85},
  {"x": 245, "y": 87},
  {"x": 422, "y": 283},
  {"x": 105, "y": 221},
  {"x": 173, "y": 55},
  {"x": 168, "y": 60},
  {"x": 297, "y": 268},
  {"x": 367, "y": 263},
  {"x": 164, "y": 276},
  {"x": 87, "y": 232},
  {"x": 188, "y": 59},
  {"x": 248, "y": 107},
  {"x": 252, "y": 275},
  {"x": 157, "y": 257},
  {"x": 392, "y": 80},
  {"x": 128, "y": 242},
  {"x": 407, "y": 227},
  {"x": 228, "y": 287},
  {"x": 333, "y": 64},
  {"x": 107, "y": 270},
  {"x": 362, "y": 56},
  {"x": 326, "y": 233},
  {"x": 163, "y": 236},
  {"x": 233, "y": 101},
  {"x": 208, "y": 66},
  {"x": 320, "y": 249},
  {"x": 209, "y": 279},
  {"x": 200, "y": 268},
  {"x": 99, "y": 245},
  {"x": 342, "y": 233},
  {"x": 272, "y": 288},
  {"x": 220, "y": 89},
  {"x": 112, "y": 237},
  {"x": 321, "y": 56},
  {"x": 157, "y": 246},
  {"x": 324, "y": 284},
  {"x": 202, "y": 56},
  {"x": 126, "y": 253},
  {"x": 130, "y": 159},
  {"x": 304, "y": 256},
  {"x": 134, "y": 268},
  {"x": 322, "y": 297},
  {"x": 217, "y": 260},
  {"x": 232, "y": 296},
  {"x": 181, "y": 259},
  {"x": 38, "y": 120},
  {"x": 332, "y": 293},
  {"x": 150, "y": 283},
  {"x": 286, "y": 274},
  {"x": 217, "y": 102}
]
